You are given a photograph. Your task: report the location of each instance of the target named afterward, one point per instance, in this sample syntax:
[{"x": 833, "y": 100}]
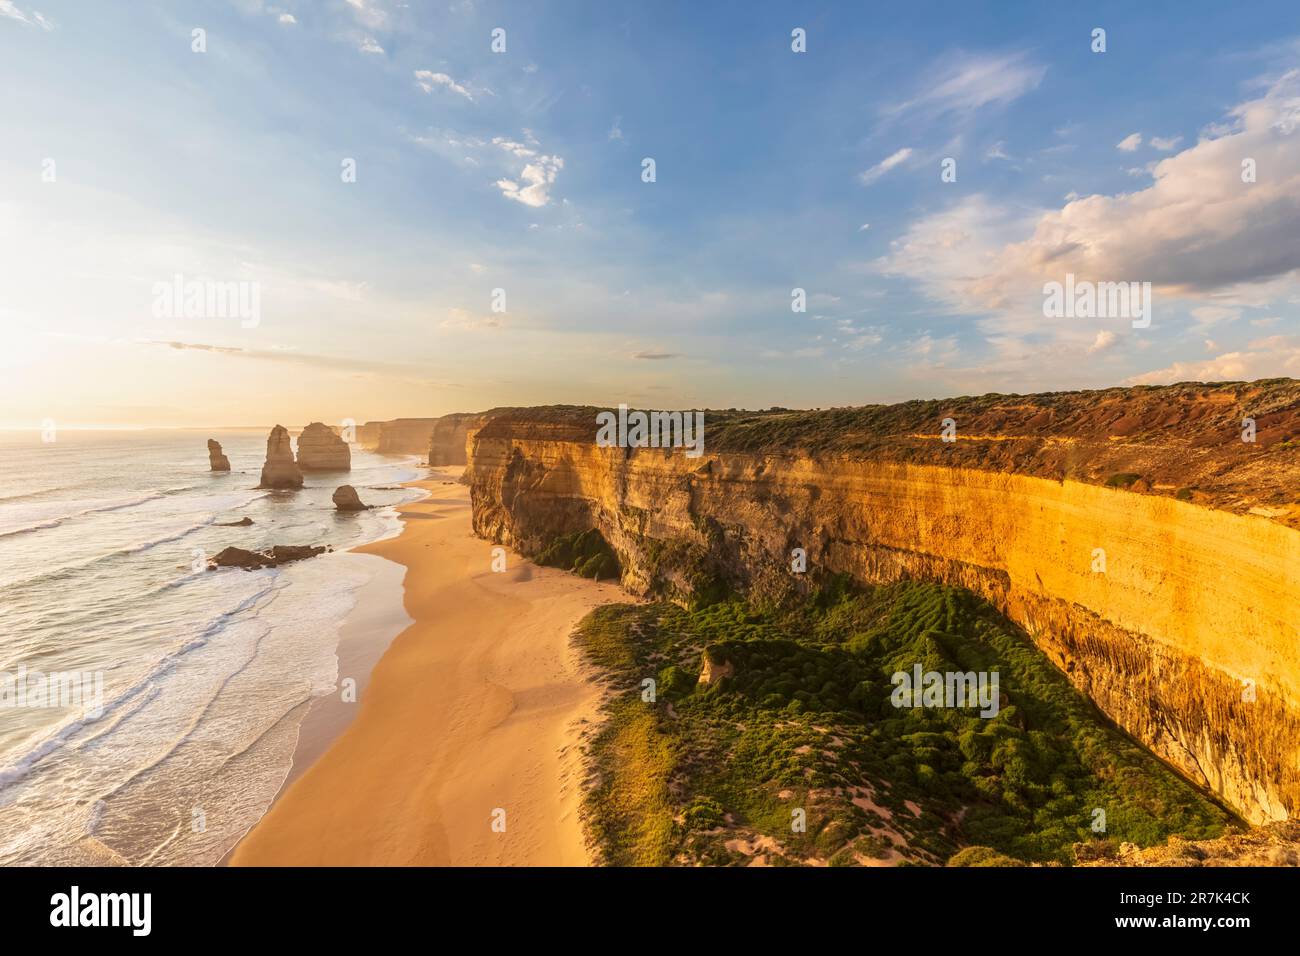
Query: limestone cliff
[
  {"x": 280, "y": 469},
  {"x": 368, "y": 435},
  {"x": 405, "y": 436},
  {"x": 320, "y": 449},
  {"x": 450, "y": 433},
  {"x": 1143, "y": 545}
]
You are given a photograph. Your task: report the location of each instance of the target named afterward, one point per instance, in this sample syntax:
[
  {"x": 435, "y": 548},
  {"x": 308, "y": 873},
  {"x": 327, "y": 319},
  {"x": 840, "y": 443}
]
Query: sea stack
[
  {"x": 216, "y": 459},
  {"x": 346, "y": 499},
  {"x": 319, "y": 449},
  {"x": 280, "y": 470}
]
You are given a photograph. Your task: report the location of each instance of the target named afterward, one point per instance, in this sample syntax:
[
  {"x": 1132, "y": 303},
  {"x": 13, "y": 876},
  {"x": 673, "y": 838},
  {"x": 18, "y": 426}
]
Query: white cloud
[
  {"x": 864, "y": 227},
  {"x": 1105, "y": 339},
  {"x": 369, "y": 13},
  {"x": 616, "y": 131},
  {"x": 1164, "y": 144},
  {"x": 1207, "y": 315},
  {"x": 1129, "y": 143},
  {"x": 968, "y": 82},
  {"x": 466, "y": 322},
  {"x": 885, "y": 165},
  {"x": 1274, "y": 357},
  {"x": 429, "y": 81},
  {"x": 35, "y": 19},
  {"x": 1196, "y": 230},
  {"x": 368, "y": 45},
  {"x": 510, "y": 146},
  {"x": 288, "y": 18},
  {"x": 997, "y": 151},
  {"x": 537, "y": 176}
]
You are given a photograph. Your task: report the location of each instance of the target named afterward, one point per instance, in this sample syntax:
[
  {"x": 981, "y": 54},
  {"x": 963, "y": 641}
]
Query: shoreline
[{"x": 479, "y": 705}]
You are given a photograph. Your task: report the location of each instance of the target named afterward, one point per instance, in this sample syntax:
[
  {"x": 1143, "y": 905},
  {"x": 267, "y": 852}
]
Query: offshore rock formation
[
  {"x": 280, "y": 470},
  {"x": 1141, "y": 543},
  {"x": 216, "y": 460},
  {"x": 345, "y": 498},
  {"x": 319, "y": 449},
  {"x": 447, "y": 442}
]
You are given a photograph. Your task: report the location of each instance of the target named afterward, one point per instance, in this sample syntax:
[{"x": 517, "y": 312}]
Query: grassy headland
[{"x": 716, "y": 773}]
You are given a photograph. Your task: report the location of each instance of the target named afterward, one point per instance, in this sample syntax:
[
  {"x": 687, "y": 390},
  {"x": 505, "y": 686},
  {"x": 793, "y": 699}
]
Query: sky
[{"x": 434, "y": 220}]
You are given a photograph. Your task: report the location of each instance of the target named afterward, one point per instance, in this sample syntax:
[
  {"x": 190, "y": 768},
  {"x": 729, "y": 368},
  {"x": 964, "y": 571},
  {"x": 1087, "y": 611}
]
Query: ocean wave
[
  {"x": 56, "y": 738},
  {"x": 38, "y": 493},
  {"x": 53, "y": 521},
  {"x": 54, "y": 574}
]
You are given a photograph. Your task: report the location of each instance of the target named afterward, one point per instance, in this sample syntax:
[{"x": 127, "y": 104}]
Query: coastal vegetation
[
  {"x": 585, "y": 553},
  {"x": 791, "y": 749}
]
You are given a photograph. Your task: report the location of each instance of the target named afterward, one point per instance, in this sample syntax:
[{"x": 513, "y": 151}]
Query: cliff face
[
  {"x": 1178, "y": 619},
  {"x": 448, "y": 439},
  {"x": 405, "y": 436}
]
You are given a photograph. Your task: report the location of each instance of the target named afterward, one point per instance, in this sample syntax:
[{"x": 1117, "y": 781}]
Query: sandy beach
[{"x": 472, "y": 715}]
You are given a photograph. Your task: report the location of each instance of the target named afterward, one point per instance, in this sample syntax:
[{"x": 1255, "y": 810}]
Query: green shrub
[{"x": 981, "y": 856}]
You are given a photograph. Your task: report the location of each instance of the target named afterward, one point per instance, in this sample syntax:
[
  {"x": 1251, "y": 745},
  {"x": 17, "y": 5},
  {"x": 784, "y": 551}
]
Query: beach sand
[{"x": 477, "y": 707}]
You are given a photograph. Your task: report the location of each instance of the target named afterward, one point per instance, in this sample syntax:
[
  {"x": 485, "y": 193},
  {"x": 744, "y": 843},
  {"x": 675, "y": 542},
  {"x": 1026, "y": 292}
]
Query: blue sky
[{"x": 522, "y": 171}]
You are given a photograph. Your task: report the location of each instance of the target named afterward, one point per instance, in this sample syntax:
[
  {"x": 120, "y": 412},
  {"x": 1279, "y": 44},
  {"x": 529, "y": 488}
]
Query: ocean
[{"x": 188, "y": 686}]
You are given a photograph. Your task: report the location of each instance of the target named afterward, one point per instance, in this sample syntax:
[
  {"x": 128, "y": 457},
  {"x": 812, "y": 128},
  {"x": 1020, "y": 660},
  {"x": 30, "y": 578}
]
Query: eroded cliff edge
[{"x": 1195, "y": 613}]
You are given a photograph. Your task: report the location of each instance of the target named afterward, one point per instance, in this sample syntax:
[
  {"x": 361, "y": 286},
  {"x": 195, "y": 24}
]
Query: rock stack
[
  {"x": 319, "y": 449},
  {"x": 280, "y": 470},
  {"x": 346, "y": 499},
  {"x": 216, "y": 459}
]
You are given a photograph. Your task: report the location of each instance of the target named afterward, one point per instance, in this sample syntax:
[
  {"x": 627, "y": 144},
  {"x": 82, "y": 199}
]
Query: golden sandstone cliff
[
  {"x": 1150, "y": 552},
  {"x": 448, "y": 439}
]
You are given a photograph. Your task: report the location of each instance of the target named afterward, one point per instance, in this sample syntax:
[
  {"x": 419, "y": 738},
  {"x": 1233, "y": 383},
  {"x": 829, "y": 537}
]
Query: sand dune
[{"x": 475, "y": 708}]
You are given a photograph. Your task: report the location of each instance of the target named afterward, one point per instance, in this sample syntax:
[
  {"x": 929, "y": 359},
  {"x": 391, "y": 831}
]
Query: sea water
[{"x": 206, "y": 675}]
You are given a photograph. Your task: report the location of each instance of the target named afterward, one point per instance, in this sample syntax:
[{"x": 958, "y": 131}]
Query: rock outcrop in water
[
  {"x": 319, "y": 449},
  {"x": 280, "y": 470},
  {"x": 1141, "y": 543},
  {"x": 273, "y": 557},
  {"x": 216, "y": 460},
  {"x": 345, "y": 498}
]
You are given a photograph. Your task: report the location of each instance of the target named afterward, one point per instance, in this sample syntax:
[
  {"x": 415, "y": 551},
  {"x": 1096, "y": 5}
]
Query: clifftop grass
[{"x": 717, "y": 774}]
